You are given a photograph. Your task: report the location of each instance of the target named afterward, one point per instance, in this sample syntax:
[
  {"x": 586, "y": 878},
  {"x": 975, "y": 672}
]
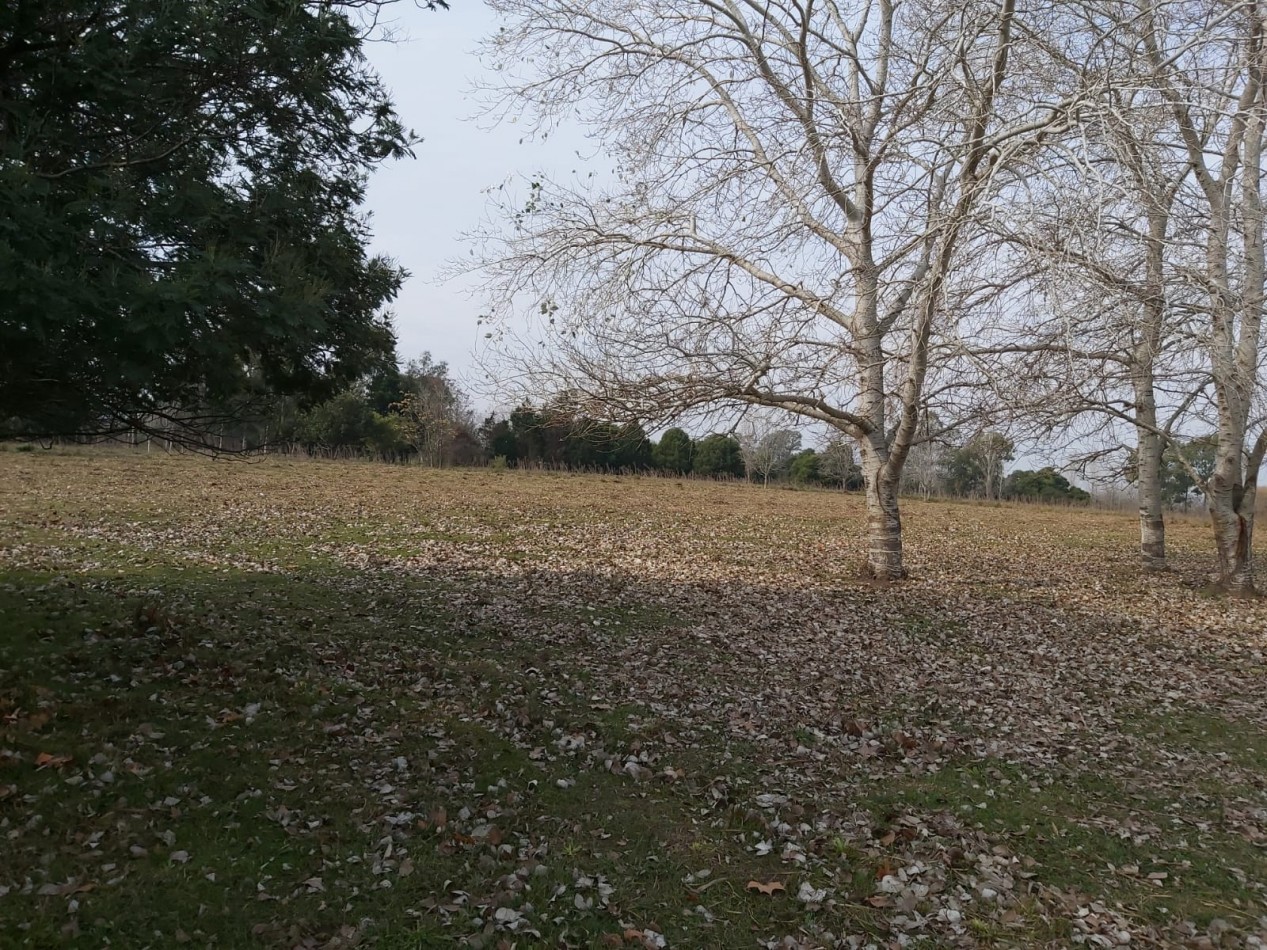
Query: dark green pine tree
[
  {"x": 179, "y": 195},
  {"x": 674, "y": 451}
]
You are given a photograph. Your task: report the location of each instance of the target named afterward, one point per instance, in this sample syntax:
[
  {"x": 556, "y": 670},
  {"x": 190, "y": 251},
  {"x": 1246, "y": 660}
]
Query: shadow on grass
[{"x": 409, "y": 757}]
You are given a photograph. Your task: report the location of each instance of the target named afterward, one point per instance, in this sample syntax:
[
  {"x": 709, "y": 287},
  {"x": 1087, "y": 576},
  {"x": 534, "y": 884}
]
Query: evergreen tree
[
  {"x": 179, "y": 194},
  {"x": 804, "y": 469},
  {"x": 718, "y": 455},
  {"x": 1046, "y": 485},
  {"x": 673, "y": 452}
]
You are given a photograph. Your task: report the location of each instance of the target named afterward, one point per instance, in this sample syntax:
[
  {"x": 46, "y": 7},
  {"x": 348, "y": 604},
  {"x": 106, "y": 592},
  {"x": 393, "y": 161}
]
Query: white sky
[{"x": 422, "y": 207}]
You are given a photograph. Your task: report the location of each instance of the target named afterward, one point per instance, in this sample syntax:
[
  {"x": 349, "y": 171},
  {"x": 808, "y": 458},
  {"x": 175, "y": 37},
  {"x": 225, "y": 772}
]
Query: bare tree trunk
[
  {"x": 1152, "y": 523},
  {"x": 1233, "y": 540},
  {"x": 1144, "y": 356},
  {"x": 884, "y": 522},
  {"x": 1148, "y": 452},
  {"x": 1231, "y": 500}
]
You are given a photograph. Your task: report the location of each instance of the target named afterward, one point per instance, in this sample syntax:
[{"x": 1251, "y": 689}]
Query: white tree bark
[
  {"x": 1154, "y": 218},
  {"x": 1213, "y": 89}
]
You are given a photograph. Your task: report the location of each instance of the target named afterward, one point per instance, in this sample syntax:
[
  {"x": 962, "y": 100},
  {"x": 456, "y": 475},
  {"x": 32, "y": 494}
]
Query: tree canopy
[
  {"x": 718, "y": 455},
  {"x": 673, "y": 452},
  {"x": 179, "y": 193},
  {"x": 1045, "y": 485}
]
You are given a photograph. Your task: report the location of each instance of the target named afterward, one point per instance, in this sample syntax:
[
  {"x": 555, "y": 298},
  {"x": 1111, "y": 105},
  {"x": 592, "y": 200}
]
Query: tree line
[{"x": 417, "y": 413}]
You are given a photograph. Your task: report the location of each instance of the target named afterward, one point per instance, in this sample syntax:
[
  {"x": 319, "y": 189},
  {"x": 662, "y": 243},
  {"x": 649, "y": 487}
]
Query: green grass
[
  {"x": 142, "y": 679},
  {"x": 145, "y": 692},
  {"x": 1183, "y": 730},
  {"x": 1090, "y": 834}
]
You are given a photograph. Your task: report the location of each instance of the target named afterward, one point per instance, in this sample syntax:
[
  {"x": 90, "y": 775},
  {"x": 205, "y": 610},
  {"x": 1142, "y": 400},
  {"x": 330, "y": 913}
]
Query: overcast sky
[{"x": 422, "y": 207}]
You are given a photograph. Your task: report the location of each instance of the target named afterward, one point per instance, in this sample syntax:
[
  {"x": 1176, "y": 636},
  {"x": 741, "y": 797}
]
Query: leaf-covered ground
[{"x": 285, "y": 704}]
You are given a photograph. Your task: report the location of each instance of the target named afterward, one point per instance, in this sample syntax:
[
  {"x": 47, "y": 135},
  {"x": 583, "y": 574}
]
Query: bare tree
[
  {"x": 993, "y": 449},
  {"x": 923, "y": 470},
  {"x": 1152, "y": 248},
  {"x": 838, "y": 463},
  {"x": 976, "y": 467},
  {"x": 794, "y": 200},
  {"x": 432, "y": 411},
  {"x": 1214, "y": 89},
  {"x": 766, "y": 449},
  {"x": 1093, "y": 217}
]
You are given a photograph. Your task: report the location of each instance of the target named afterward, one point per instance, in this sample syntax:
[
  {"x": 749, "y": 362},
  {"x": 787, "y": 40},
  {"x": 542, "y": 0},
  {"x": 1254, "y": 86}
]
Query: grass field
[{"x": 300, "y": 704}]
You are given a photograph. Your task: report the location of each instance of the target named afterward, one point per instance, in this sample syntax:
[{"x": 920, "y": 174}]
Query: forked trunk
[
  {"x": 1233, "y": 541},
  {"x": 884, "y": 525}
]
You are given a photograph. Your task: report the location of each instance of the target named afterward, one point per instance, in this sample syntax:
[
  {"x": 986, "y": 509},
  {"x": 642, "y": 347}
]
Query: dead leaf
[
  {"x": 37, "y": 721},
  {"x": 771, "y": 887}
]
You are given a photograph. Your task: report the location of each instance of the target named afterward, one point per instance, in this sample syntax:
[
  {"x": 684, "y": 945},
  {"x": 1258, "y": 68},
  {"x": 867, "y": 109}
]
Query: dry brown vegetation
[{"x": 402, "y": 707}]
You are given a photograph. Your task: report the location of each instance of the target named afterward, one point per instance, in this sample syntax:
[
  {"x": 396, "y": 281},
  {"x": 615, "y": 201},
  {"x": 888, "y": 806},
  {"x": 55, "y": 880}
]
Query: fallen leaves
[
  {"x": 863, "y": 743},
  {"x": 68, "y": 888}
]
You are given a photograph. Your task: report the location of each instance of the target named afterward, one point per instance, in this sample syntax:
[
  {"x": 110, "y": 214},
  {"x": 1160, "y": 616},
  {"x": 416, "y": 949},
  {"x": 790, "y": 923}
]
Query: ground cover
[{"x": 304, "y": 704}]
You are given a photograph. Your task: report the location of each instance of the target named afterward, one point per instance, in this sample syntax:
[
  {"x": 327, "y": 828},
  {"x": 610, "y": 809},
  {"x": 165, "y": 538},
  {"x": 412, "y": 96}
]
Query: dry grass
[{"x": 1028, "y": 743}]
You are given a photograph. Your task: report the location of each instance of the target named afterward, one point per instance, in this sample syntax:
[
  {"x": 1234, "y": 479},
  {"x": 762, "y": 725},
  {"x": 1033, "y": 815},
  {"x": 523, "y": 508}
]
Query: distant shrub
[
  {"x": 1046, "y": 485},
  {"x": 26, "y": 447},
  {"x": 499, "y": 463},
  {"x": 806, "y": 468}
]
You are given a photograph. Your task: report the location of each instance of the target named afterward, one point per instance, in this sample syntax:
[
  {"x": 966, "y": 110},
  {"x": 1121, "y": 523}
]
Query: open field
[{"x": 299, "y": 704}]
